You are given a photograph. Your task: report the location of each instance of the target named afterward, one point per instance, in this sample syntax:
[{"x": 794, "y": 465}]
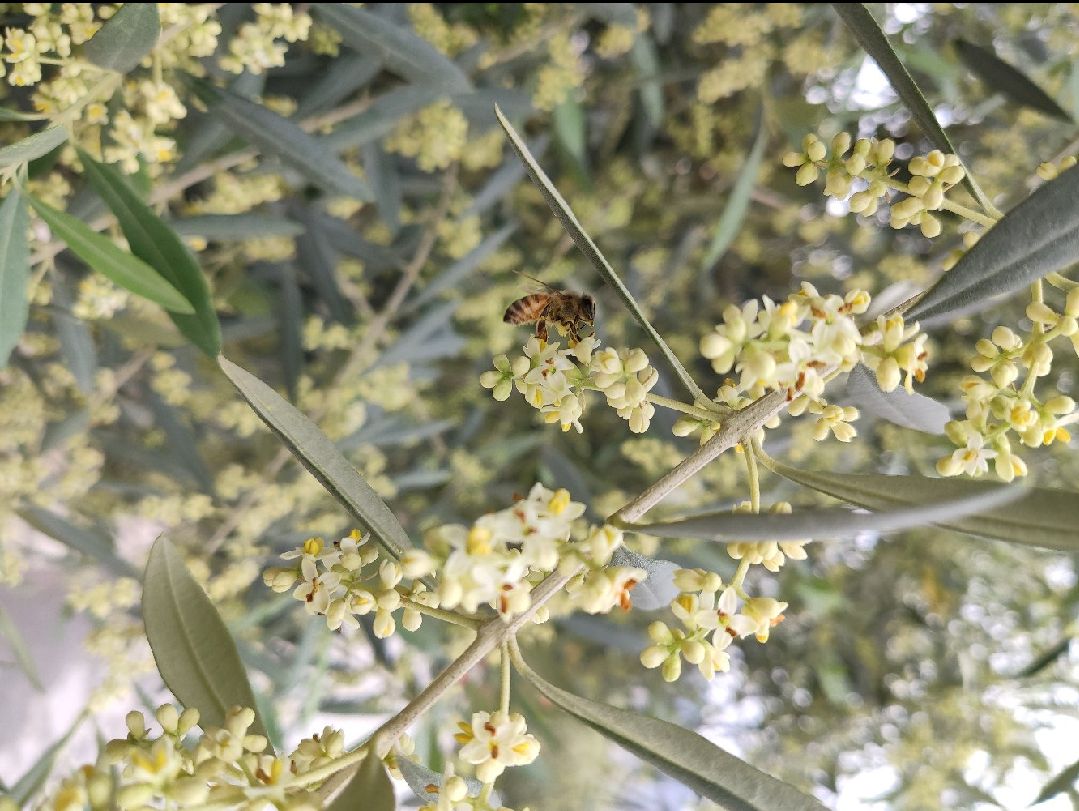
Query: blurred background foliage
[{"x": 936, "y": 663}]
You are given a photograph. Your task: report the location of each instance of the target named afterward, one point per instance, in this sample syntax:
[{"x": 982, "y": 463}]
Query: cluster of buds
[
  {"x": 865, "y": 177},
  {"x": 341, "y": 582},
  {"x": 554, "y": 381},
  {"x": 710, "y": 616},
  {"x": 799, "y": 345},
  {"x": 180, "y": 768},
  {"x": 998, "y": 409}
]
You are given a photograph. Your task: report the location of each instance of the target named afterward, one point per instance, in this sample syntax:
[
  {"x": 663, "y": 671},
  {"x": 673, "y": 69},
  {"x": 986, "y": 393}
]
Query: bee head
[{"x": 588, "y": 305}]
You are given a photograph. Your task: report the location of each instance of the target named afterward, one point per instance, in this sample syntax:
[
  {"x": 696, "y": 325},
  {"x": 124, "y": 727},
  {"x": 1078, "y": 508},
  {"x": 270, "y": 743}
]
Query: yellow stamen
[
  {"x": 560, "y": 500},
  {"x": 479, "y": 541},
  {"x": 313, "y": 546}
]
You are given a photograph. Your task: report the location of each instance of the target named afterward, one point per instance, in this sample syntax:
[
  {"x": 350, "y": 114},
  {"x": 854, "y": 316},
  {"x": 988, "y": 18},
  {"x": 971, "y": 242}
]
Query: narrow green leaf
[
  {"x": 875, "y": 43},
  {"x": 208, "y": 133},
  {"x": 319, "y": 455},
  {"x": 1047, "y": 658},
  {"x": 101, "y": 254},
  {"x": 401, "y": 51},
  {"x": 236, "y": 227},
  {"x": 381, "y": 170},
  {"x": 17, "y": 644},
  {"x": 14, "y": 272},
  {"x": 152, "y": 241},
  {"x": 899, "y": 407},
  {"x": 684, "y": 755},
  {"x": 283, "y": 137},
  {"x": 1041, "y": 517},
  {"x": 569, "y": 132},
  {"x": 734, "y": 213},
  {"x": 827, "y": 522},
  {"x": 1000, "y": 77},
  {"x": 369, "y": 789},
  {"x": 76, "y": 342},
  {"x": 646, "y": 63},
  {"x": 318, "y": 260},
  {"x": 35, "y": 776},
  {"x": 87, "y": 541},
  {"x": 1038, "y": 236},
  {"x": 658, "y": 589},
  {"x": 344, "y": 76},
  {"x": 565, "y": 215},
  {"x": 1062, "y": 782},
  {"x": 290, "y": 312},
  {"x": 33, "y": 146},
  {"x": 191, "y": 645},
  {"x": 125, "y": 38}
]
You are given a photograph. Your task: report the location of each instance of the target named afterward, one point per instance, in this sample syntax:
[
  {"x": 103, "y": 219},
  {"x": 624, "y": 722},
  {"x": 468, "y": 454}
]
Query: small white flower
[{"x": 493, "y": 742}]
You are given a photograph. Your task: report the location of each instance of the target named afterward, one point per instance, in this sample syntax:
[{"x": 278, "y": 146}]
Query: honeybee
[{"x": 567, "y": 310}]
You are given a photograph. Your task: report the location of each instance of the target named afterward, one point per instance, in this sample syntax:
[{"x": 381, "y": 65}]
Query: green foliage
[
  {"x": 14, "y": 272},
  {"x": 1038, "y": 237},
  {"x": 193, "y": 650},
  {"x": 101, "y": 254},
  {"x": 685, "y": 755},
  {"x": 125, "y": 39}
]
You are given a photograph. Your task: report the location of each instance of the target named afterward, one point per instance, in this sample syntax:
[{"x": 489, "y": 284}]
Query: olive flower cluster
[
  {"x": 799, "y": 345},
  {"x": 341, "y": 582},
  {"x": 554, "y": 381},
  {"x": 1001, "y": 408},
  {"x": 226, "y": 767},
  {"x": 498, "y": 560},
  {"x": 713, "y": 613},
  {"x": 865, "y": 175}
]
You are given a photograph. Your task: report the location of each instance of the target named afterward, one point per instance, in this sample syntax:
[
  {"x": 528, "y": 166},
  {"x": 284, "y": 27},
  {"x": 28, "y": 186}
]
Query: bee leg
[
  {"x": 574, "y": 335},
  {"x": 541, "y": 330}
]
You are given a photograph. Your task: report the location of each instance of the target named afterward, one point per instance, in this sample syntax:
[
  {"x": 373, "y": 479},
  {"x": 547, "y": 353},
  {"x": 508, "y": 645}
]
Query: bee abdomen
[{"x": 526, "y": 309}]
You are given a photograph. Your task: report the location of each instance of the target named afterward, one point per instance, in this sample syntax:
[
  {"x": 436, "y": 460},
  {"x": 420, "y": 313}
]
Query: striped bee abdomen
[{"x": 527, "y": 309}]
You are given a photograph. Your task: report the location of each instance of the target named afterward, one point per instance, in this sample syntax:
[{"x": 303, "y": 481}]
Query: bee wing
[{"x": 549, "y": 288}]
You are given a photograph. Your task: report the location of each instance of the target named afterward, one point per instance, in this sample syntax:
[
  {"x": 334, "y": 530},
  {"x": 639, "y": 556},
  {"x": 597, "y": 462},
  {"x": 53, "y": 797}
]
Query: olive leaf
[
  {"x": 194, "y": 652},
  {"x": 155, "y": 243},
  {"x": 1000, "y": 77},
  {"x": 125, "y": 38},
  {"x": 320, "y": 456},
  {"x": 1060, "y": 783},
  {"x": 14, "y": 272},
  {"x": 369, "y": 789},
  {"x": 101, "y": 254},
  {"x": 1040, "y": 517},
  {"x": 899, "y": 407},
  {"x": 824, "y": 523},
  {"x": 401, "y": 51},
  {"x": 33, "y": 146},
  {"x": 1037, "y": 237},
  {"x": 284, "y": 138},
  {"x": 686, "y": 756}
]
